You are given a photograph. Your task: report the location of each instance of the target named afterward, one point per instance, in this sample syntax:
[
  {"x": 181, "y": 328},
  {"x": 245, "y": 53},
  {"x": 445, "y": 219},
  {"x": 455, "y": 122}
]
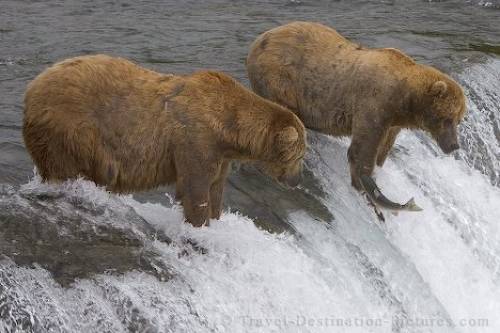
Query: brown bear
[
  {"x": 130, "y": 129},
  {"x": 340, "y": 88}
]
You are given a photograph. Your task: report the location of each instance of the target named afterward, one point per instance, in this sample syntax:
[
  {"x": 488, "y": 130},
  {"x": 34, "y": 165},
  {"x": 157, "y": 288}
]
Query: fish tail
[{"x": 412, "y": 206}]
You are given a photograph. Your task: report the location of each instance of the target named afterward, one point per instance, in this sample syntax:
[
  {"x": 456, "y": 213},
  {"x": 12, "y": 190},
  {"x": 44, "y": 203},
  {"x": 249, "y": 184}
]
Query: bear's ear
[
  {"x": 288, "y": 135},
  {"x": 439, "y": 88}
]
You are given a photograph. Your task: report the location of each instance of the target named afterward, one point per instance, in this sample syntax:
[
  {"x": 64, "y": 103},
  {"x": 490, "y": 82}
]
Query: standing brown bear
[
  {"x": 340, "y": 88},
  {"x": 130, "y": 129}
]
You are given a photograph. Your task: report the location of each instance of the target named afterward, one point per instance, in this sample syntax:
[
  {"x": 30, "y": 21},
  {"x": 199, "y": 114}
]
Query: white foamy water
[
  {"x": 480, "y": 132},
  {"x": 432, "y": 271}
]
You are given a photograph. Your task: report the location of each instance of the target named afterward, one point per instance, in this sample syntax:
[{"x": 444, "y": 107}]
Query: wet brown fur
[
  {"x": 130, "y": 129},
  {"x": 340, "y": 88}
]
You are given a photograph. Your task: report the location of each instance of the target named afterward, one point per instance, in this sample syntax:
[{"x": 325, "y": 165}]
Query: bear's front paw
[{"x": 356, "y": 183}]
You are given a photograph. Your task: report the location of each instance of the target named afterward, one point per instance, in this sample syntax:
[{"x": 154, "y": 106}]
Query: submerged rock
[
  {"x": 74, "y": 239},
  {"x": 72, "y": 236},
  {"x": 269, "y": 204}
]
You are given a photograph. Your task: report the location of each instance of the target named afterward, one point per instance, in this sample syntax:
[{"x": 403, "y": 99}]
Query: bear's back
[{"x": 84, "y": 83}]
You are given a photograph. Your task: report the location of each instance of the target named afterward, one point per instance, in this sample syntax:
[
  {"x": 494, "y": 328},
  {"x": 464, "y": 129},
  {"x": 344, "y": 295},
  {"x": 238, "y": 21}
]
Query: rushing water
[{"x": 78, "y": 259}]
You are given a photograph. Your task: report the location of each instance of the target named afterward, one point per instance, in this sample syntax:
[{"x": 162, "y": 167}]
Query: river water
[{"x": 74, "y": 258}]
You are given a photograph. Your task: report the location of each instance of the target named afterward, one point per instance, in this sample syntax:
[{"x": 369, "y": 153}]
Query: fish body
[{"x": 379, "y": 199}]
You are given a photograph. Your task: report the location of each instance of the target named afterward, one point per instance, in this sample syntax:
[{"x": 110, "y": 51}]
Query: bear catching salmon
[{"x": 342, "y": 89}]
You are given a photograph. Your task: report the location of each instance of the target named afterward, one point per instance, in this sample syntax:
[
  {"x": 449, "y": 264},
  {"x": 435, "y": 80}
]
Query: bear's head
[
  {"x": 284, "y": 162},
  {"x": 444, "y": 109}
]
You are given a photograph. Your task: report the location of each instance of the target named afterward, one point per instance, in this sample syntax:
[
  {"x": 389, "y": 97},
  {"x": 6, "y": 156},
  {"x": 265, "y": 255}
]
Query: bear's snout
[
  {"x": 448, "y": 146},
  {"x": 447, "y": 138},
  {"x": 454, "y": 147}
]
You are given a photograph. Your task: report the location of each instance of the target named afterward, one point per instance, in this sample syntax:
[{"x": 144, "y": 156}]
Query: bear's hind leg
[{"x": 54, "y": 154}]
